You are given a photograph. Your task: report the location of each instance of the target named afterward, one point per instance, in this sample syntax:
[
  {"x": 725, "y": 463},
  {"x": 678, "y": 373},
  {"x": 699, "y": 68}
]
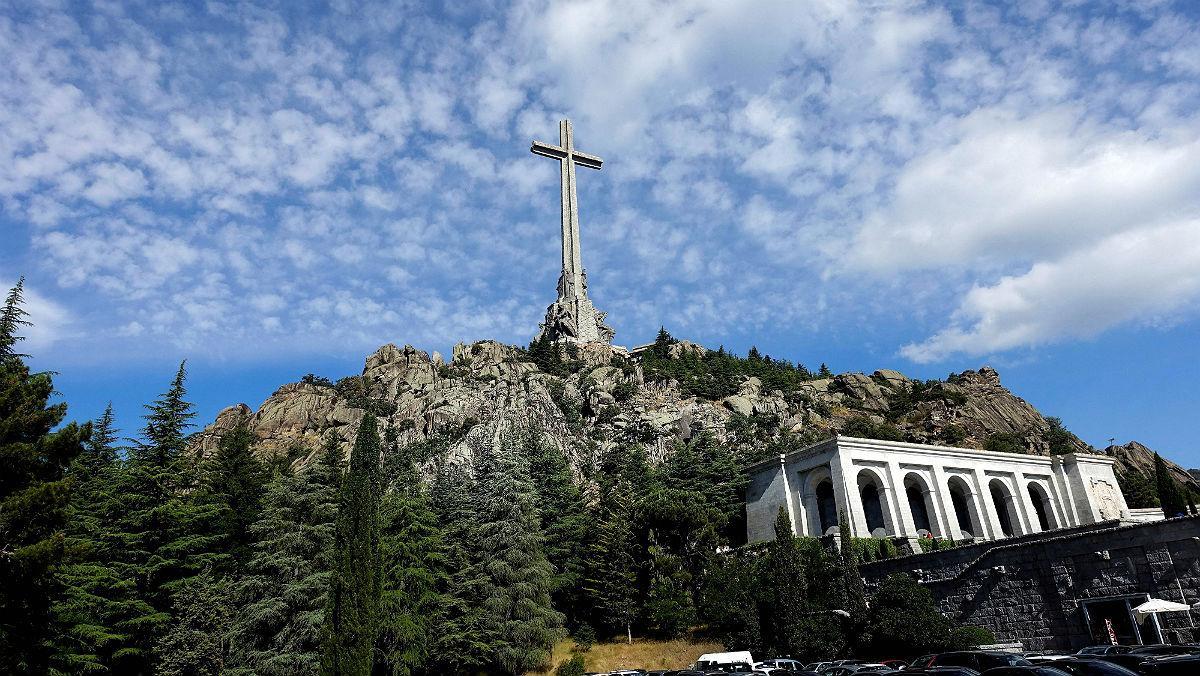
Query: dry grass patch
[{"x": 641, "y": 654}]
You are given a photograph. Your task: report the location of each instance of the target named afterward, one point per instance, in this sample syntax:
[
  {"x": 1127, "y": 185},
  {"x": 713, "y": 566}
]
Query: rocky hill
[{"x": 589, "y": 398}]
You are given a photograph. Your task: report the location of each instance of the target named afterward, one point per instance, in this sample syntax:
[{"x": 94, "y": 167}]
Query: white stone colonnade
[{"x": 896, "y": 489}]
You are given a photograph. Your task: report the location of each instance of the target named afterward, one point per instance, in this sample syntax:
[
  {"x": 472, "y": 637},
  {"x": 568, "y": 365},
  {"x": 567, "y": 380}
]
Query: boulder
[{"x": 739, "y": 404}]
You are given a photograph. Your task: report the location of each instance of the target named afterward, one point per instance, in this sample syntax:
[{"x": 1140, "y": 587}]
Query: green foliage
[
  {"x": 861, "y": 426},
  {"x": 1005, "y": 442},
  {"x": 903, "y": 400},
  {"x": 1170, "y": 493},
  {"x": 517, "y": 619},
  {"x": 356, "y": 390},
  {"x": 784, "y": 607},
  {"x": 715, "y": 375},
  {"x": 953, "y": 434},
  {"x": 352, "y": 615},
  {"x": 903, "y": 620},
  {"x": 969, "y": 637},
  {"x": 319, "y": 381},
  {"x": 1140, "y": 491},
  {"x": 669, "y": 608},
  {"x": 415, "y": 572},
  {"x": 565, "y": 523},
  {"x": 1061, "y": 440},
  {"x": 571, "y": 667},
  {"x": 194, "y": 645},
  {"x": 236, "y": 479},
  {"x": 167, "y": 526},
  {"x": 281, "y": 597},
  {"x": 611, "y": 581},
  {"x": 34, "y": 493}
]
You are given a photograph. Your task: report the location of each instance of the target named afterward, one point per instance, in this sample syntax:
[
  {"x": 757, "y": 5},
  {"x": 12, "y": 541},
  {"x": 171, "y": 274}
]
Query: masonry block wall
[{"x": 1055, "y": 590}]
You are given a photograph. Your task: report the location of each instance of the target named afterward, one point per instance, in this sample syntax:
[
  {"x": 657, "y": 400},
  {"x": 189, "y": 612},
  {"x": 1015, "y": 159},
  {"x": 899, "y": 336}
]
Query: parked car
[
  {"x": 781, "y": 663},
  {"x": 1128, "y": 660},
  {"x": 1174, "y": 665},
  {"x": 1104, "y": 650},
  {"x": 1166, "y": 649},
  {"x": 979, "y": 660},
  {"x": 943, "y": 671},
  {"x": 1092, "y": 666},
  {"x": 818, "y": 666},
  {"x": 921, "y": 662},
  {"x": 895, "y": 664},
  {"x": 861, "y": 668},
  {"x": 1026, "y": 670}
]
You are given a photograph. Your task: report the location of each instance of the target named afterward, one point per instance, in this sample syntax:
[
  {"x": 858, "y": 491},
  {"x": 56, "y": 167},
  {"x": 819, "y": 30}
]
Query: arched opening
[
  {"x": 964, "y": 513},
  {"x": 1002, "y": 500},
  {"x": 1042, "y": 507},
  {"x": 873, "y": 508},
  {"x": 826, "y": 506},
  {"x": 918, "y": 503}
]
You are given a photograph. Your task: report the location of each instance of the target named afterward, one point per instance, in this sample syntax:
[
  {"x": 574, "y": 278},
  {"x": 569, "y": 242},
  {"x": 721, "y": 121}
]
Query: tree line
[{"x": 143, "y": 557}]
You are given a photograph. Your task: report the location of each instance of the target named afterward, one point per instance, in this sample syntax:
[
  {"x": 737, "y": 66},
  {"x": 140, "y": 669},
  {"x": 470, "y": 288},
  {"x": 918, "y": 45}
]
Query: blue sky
[{"x": 273, "y": 189}]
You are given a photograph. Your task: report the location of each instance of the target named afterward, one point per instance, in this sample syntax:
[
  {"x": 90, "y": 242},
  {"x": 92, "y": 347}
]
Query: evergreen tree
[
  {"x": 824, "y": 371},
  {"x": 1170, "y": 495},
  {"x": 167, "y": 527},
  {"x": 352, "y": 618},
  {"x": 97, "y": 603},
  {"x": 785, "y": 592},
  {"x": 565, "y": 523},
  {"x": 517, "y": 619},
  {"x": 282, "y": 597},
  {"x": 662, "y": 344},
  {"x": 611, "y": 582},
  {"x": 669, "y": 608},
  {"x": 414, "y": 574},
  {"x": 236, "y": 481},
  {"x": 34, "y": 493},
  {"x": 194, "y": 645},
  {"x": 854, "y": 590},
  {"x": 459, "y": 646}
]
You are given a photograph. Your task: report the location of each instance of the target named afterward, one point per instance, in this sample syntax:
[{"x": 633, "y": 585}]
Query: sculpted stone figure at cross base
[{"x": 571, "y": 317}]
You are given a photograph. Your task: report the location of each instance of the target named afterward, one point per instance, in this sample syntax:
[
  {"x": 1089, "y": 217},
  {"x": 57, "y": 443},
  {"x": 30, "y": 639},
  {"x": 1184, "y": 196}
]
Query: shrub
[{"x": 571, "y": 667}]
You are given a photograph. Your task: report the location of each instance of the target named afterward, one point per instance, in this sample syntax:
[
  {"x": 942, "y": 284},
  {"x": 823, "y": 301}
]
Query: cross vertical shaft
[{"x": 572, "y": 315}]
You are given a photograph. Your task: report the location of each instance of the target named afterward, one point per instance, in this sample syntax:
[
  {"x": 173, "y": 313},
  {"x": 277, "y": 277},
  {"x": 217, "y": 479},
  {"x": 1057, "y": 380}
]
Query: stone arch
[
  {"x": 820, "y": 501},
  {"x": 1043, "y": 507},
  {"x": 966, "y": 522},
  {"x": 920, "y": 503},
  {"x": 1006, "y": 509},
  {"x": 875, "y": 507}
]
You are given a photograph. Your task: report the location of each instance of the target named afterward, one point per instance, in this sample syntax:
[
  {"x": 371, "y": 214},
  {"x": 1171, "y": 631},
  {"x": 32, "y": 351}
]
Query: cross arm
[
  {"x": 585, "y": 160},
  {"x": 547, "y": 150}
]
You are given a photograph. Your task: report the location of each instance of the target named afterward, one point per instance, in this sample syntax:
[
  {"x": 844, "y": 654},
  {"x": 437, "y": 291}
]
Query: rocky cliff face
[{"x": 604, "y": 397}]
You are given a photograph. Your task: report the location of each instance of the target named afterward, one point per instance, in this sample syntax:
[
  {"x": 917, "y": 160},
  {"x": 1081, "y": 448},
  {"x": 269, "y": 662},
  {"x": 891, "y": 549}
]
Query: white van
[{"x": 725, "y": 661}]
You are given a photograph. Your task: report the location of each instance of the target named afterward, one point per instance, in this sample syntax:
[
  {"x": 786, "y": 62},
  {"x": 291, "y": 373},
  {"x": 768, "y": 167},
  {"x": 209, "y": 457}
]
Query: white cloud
[{"x": 1140, "y": 275}]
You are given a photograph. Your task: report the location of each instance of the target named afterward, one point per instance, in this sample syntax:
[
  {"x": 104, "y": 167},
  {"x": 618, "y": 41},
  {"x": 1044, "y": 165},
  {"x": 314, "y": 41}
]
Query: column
[
  {"x": 1029, "y": 520},
  {"x": 943, "y": 507},
  {"x": 987, "y": 511},
  {"x": 788, "y": 498},
  {"x": 845, "y": 493},
  {"x": 902, "y": 516}
]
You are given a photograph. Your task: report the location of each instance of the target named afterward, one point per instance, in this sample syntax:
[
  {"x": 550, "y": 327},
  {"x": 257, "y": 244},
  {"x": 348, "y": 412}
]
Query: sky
[{"x": 272, "y": 189}]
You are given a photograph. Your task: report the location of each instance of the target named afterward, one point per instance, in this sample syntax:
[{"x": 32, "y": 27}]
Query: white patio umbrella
[{"x": 1154, "y": 606}]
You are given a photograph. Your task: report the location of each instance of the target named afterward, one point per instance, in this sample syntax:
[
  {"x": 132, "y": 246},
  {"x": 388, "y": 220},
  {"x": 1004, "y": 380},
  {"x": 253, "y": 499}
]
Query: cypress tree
[
  {"x": 352, "y": 618},
  {"x": 236, "y": 481},
  {"x": 281, "y": 598},
  {"x": 517, "y": 619},
  {"x": 784, "y": 601},
  {"x": 854, "y": 590},
  {"x": 34, "y": 493},
  {"x": 414, "y": 574},
  {"x": 1170, "y": 495}
]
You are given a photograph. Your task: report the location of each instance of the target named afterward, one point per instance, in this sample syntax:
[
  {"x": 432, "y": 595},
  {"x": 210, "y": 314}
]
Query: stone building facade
[
  {"x": 1063, "y": 589},
  {"x": 902, "y": 490}
]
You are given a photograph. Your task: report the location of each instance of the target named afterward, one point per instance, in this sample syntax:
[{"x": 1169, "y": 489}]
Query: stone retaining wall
[{"x": 1043, "y": 589}]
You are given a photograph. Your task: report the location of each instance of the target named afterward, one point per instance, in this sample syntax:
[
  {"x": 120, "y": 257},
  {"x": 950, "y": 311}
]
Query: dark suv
[{"x": 979, "y": 660}]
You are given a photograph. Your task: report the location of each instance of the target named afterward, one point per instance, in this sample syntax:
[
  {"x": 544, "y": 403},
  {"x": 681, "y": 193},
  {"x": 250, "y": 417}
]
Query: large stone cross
[{"x": 572, "y": 315}]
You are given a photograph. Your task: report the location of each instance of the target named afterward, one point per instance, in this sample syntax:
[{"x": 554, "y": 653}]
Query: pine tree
[
  {"x": 235, "y": 480},
  {"x": 459, "y": 646},
  {"x": 34, "y": 494},
  {"x": 97, "y": 604},
  {"x": 282, "y": 596},
  {"x": 352, "y": 618},
  {"x": 167, "y": 529},
  {"x": 414, "y": 574},
  {"x": 517, "y": 618},
  {"x": 565, "y": 523},
  {"x": 194, "y": 645},
  {"x": 611, "y": 582},
  {"x": 854, "y": 590},
  {"x": 1170, "y": 495},
  {"x": 669, "y": 608},
  {"x": 824, "y": 372}
]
